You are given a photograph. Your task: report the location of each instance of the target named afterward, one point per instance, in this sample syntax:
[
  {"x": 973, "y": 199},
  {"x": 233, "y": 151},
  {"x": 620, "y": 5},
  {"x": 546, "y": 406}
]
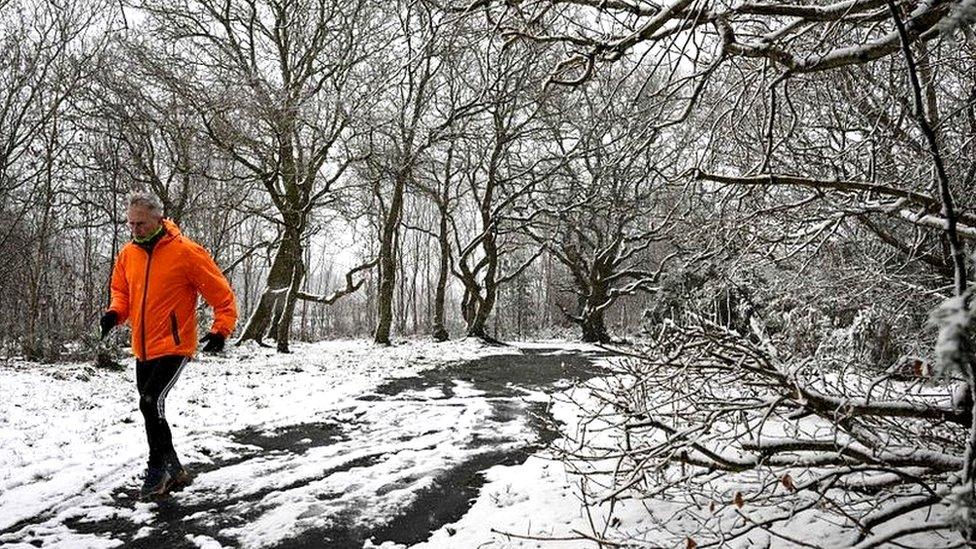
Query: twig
[{"x": 578, "y": 537}]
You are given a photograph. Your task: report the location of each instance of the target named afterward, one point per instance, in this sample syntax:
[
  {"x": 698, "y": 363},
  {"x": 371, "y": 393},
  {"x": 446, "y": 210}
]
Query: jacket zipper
[{"x": 145, "y": 292}]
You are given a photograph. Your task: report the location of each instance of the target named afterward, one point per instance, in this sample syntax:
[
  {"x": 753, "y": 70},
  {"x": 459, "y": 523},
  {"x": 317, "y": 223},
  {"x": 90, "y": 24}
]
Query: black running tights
[{"x": 155, "y": 378}]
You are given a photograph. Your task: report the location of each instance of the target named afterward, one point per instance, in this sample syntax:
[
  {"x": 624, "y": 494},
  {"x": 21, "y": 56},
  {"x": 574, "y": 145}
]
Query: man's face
[{"x": 142, "y": 222}]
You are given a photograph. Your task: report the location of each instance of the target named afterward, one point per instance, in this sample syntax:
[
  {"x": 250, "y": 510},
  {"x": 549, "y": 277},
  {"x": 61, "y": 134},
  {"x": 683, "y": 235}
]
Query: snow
[
  {"x": 954, "y": 321},
  {"x": 71, "y": 434},
  {"x": 535, "y": 499},
  {"x": 204, "y": 542},
  {"x": 320, "y": 440}
]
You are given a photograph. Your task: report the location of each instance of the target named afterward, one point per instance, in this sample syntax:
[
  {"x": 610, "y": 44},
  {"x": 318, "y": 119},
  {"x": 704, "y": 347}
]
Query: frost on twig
[
  {"x": 718, "y": 441},
  {"x": 955, "y": 320},
  {"x": 960, "y": 18}
]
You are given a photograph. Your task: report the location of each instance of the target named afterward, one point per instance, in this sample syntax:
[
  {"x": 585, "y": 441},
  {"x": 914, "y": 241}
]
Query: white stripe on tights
[{"x": 161, "y": 402}]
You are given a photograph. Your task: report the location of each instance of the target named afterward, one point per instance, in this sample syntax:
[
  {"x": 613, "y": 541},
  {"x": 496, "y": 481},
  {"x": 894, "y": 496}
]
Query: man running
[{"x": 155, "y": 283}]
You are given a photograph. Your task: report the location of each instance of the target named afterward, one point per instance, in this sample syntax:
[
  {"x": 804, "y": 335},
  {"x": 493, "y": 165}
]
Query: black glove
[
  {"x": 214, "y": 342},
  {"x": 108, "y": 321}
]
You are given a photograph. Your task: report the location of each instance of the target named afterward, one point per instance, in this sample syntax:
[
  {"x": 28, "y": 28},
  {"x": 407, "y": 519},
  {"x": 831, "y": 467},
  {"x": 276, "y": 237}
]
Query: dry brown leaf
[
  {"x": 787, "y": 481},
  {"x": 690, "y": 543},
  {"x": 738, "y": 500}
]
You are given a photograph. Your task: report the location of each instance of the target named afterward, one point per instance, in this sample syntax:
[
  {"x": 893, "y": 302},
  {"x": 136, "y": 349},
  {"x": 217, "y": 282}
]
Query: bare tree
[
  {"x": 799, "y": 187},
  {"x": 781, "y": 34},
  {"x": 47, "y": 54},
  {"x": 609, "y": 205},
  {"x": 456, "y": 107},
  {"x": 438, "y": 186},
  {"x": 277, "y": 97},
  {"x": 501, "y": 161},
  {"x": 399, "y": 136}
]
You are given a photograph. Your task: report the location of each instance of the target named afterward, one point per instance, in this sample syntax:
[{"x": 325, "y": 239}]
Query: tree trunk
[
  {"x": 594, "y": 329},
  {"x": 483, "y": 310},
  {"x": 387, "y": 263},
  {"x": 401, "y": 289},
  {"x": 439, "y": 332},
  {"x": 413, "y": 287},
  {"x": 483, "y": 305},
  {"x": 592, "y": 312},
  {"x": 37, "y": 343},
  {"x": 469, "y": 307},
  {"x": 283, "y": 327},
  {"x": 266, "y": 318}
]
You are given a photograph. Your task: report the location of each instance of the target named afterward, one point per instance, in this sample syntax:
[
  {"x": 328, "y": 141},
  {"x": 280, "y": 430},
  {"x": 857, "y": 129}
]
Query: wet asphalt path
[{"x": 442, "y": 496}]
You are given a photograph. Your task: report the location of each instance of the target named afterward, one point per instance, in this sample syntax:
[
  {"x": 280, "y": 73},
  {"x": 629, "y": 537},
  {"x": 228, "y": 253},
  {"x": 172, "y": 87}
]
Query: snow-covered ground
[
  {"x": 339, "y": 444},
  {"x": 334, "y": 440}
]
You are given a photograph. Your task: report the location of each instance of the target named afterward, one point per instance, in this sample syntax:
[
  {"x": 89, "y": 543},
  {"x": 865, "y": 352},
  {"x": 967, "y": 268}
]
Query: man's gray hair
[{"x": 148, "y": 201}]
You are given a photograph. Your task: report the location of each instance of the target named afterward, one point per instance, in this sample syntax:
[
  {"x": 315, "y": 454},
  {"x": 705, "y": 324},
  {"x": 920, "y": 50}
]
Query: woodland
[{"x": 769, "y": 206}]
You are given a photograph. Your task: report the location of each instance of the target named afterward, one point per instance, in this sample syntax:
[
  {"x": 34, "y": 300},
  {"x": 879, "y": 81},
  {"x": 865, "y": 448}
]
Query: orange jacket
[{"x": 157, "y": 292}]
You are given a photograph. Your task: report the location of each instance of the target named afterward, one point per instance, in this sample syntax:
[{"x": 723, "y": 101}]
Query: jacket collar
[{"x": 170, "y": 231}]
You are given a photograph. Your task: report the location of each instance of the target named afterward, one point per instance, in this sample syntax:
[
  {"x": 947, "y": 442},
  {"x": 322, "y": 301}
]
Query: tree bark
[
  {"x": 592, "y": 315},
  {"x": 267, "y": 316},
  {"x": 283, "y": 327},
  {"x": 594, "y": 328},
  {"x": 482, "y": 305},
  {"x": 438, "y": 331},
  {"x": 387, "y": 283}
]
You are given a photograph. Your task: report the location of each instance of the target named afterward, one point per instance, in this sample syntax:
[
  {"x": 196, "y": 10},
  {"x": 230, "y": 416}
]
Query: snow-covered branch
[{"x": 707, "y": 413}]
